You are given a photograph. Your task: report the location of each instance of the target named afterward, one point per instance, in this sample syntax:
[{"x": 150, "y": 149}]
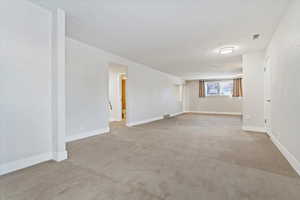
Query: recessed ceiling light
[{"x": 226, "y": 50}]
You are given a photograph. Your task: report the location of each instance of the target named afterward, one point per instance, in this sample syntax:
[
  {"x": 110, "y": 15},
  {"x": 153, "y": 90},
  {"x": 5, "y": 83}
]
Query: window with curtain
[{"x": 219, "y": 88}]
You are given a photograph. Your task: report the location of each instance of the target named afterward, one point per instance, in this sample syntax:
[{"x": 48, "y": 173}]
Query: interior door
[{"x": 267, "y": 96}]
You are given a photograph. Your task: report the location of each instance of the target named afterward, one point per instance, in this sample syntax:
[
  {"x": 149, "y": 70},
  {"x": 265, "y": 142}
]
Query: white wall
[
  {"x": 86, "y": 90},
  {"x": 212, "y": 104},
  {"x": 25, "y": 85},
  {"x": 253, "y": 101},
  {"x": 150, "y": 93},
  {"x": 284, "y": 62}
]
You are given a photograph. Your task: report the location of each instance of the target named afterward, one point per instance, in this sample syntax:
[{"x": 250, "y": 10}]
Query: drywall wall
[
  {"x": 150, "y": 93},
  {"x": 218, "y": 104},
  {"x": 86, "y": 90},
  {"x": 284, "y": 61},
  {"x": 253, "y": 102},
  {"x": 25, "y": 85}
]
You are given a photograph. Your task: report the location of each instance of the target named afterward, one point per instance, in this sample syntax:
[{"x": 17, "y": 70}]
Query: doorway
[
  {"x": 123, "y": 79},
  {"x": 117, "y": 92},
  {"x": 267, "y": 96}
]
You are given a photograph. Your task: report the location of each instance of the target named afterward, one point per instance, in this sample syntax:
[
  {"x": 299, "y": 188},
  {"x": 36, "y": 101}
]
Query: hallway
[{"x": 186, "y": 157}]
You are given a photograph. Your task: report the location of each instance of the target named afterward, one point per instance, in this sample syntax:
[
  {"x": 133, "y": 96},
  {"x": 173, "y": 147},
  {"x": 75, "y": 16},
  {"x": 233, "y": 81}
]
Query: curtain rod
[{"x": 218, "y": 79}]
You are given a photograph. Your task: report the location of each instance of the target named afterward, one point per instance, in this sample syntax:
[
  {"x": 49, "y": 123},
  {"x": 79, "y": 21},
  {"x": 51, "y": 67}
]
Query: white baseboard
[
  {"x": 151, "y": 120},
  {"x": 60, "y": 156},
  {"x": 57, "y": 156},
  {"x": 255, "y": 129},
  {"x": 179, "y": 113},
  {"x": 25, "y": 162},
  {"x": 144, "y": 121},
  {"x": 214, "y": 113},
  {"x": 176, "y": 114},
  {"x": 115, "y": 120},
  {"x": 112, "y": 119},
  {"x": 291, "y": 159},
  {"x": 86, "y": 134}
]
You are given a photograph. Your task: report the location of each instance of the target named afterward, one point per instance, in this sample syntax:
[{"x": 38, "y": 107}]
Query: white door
[{"x": 267, "y": 92}]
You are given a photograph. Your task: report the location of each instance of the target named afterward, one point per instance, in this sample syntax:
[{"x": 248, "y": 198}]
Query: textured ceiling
[{"x": 178, "y": 37}]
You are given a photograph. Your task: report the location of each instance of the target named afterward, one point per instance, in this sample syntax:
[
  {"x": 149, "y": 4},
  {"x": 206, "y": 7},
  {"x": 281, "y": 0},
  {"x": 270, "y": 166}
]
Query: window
[{"x": 219, "y": 88}]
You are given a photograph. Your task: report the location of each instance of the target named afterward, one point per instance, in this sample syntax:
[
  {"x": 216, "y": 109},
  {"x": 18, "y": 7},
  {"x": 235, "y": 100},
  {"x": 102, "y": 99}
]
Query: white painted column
[
  {"x": 253, "y": 86},
  {"x": 58, "y": 85}
]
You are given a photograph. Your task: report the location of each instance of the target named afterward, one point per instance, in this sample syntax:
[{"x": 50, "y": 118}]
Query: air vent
[
  {"x": 255, "y": 36},
  {"x": 167, "y": 116}
]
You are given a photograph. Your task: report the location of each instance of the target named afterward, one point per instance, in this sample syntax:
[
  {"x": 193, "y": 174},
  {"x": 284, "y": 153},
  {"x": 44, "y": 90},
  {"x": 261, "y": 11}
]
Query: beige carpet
[{"x": 201, "y": 157}]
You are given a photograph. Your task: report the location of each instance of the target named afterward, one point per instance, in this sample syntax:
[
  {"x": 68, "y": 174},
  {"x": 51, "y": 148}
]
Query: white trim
[
  {"x": 255, "y": 129},
  {"x": 112, "y": 119},
  {"x": 197, "y": 76},
  {"x": 60, "y": 156},
  {"x": 24, "y": 162},
  {"x": 144, "y": 121},
  {"x": 86, "y": 134},
  {"x": 290, "y": 158},
  {"x": 176, "y": 114},
  {"x": 214, "y": 113},
  {"x": 115, "y": 120},
  {"x": 58, "y": 87}
]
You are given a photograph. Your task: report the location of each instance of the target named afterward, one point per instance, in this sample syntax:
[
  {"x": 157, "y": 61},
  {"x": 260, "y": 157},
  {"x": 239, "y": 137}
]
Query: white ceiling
[{"x": 175, "y": 37}]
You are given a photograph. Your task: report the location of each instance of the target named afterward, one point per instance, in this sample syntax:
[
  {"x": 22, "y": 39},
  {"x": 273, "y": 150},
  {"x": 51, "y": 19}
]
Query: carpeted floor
[{"x": 201, "y": 157}]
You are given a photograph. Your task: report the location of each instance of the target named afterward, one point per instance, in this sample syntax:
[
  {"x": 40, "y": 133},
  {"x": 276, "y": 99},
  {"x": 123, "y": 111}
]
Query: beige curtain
[
  {"x": 237, "y": 88},
  {"x": 201, "y": 88}
]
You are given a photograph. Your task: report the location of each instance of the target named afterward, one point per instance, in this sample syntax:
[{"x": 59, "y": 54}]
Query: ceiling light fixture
[{"x": 226, "y": 50}]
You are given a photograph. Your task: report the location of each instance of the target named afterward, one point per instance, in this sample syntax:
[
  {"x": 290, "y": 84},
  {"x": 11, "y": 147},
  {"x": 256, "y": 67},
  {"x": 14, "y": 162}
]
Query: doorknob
[{"x": 269, "y": 100}]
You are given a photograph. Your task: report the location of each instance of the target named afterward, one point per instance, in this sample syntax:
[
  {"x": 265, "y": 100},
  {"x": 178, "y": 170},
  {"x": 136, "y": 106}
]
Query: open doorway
[
  {"x": 267, "y": 95},
  {"x": 123, "y": 92},
  {"x": 117, "y": 92}
]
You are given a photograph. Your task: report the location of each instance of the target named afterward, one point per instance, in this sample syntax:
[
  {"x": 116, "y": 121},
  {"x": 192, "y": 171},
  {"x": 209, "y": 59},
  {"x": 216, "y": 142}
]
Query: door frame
[
  {"x": 121, "y": 94},
  {"x": 267, "y": 96},
  {"x": 115, "y": 72}
]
